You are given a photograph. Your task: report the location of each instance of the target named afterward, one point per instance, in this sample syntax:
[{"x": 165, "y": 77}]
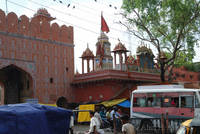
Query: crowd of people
[
  {"x": 102, "y": 118},
  {"x": 113, "y": 118}
]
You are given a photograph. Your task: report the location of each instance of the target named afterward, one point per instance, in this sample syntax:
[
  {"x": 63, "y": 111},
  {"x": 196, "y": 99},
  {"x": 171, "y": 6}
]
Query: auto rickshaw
[{"x": 191, "y": 126}]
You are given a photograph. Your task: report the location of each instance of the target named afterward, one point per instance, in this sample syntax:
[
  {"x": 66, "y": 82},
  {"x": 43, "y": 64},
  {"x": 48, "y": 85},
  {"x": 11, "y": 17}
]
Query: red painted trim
[{"x": 185, "y": 112}]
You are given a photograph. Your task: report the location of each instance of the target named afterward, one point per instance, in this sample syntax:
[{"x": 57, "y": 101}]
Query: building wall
[
  {"x": 188, "y": 78},
  {"x": 41, "y": 49},
  {"x": 104, "y": 90}
]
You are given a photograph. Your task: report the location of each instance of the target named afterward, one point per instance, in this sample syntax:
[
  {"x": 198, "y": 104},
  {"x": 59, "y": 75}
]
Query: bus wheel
[{"x": 146, "y": 124}]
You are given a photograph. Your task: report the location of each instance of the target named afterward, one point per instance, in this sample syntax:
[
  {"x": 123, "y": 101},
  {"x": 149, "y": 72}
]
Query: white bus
[{"x": 148, "y": 102}]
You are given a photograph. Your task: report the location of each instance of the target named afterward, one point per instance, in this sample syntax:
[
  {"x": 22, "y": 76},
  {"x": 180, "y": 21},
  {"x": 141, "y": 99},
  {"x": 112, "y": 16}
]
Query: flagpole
[
  {"x": 101, "y": 43},
  {"x": 101, "y": 22}
]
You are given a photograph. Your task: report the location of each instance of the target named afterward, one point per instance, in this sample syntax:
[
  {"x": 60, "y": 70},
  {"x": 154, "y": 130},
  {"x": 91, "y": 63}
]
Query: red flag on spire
[{"x": 104, "y": 26}]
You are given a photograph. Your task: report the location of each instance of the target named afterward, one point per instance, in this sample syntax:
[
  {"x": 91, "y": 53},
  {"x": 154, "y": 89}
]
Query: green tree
[{"x": 169, "y": 25}]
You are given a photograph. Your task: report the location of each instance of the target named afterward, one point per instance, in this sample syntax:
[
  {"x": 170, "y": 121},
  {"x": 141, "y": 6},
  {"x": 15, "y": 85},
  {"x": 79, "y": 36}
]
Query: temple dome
[
  {"x": 43, "y": 13},
  {"x": 103, "y": 37},
  {"x": 119, "y": 47},
  {"x": 87, "y": 53},
  {"x": 143, "y": 50}
]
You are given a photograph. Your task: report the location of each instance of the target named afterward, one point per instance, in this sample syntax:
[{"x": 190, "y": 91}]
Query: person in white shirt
[
  {"x": 71, "y": 125},
  {"x": 127, "y": 128},
  {"x": 94, "y": 125},
  {"x": 97, "y": 115}
]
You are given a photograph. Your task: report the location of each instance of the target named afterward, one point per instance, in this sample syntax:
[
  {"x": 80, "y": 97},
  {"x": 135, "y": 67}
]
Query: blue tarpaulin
[
  {"x": 29, "y": 118},
  {"x": 125, "y": 104}
]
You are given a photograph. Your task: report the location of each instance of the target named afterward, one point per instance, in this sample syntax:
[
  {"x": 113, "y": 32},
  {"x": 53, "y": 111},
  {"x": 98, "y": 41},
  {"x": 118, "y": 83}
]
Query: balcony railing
[{"x": 137, "y": 69}]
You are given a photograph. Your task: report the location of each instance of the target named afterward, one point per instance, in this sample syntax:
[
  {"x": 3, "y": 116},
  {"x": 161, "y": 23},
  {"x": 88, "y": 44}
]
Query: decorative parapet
[{"x": 33, "y": 27}]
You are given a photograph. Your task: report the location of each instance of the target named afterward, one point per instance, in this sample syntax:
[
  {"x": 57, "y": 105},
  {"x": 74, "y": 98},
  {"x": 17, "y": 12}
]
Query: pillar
[
  {"x": 120, "y": 60},
  {"x": 126, "y": 61},
  {"x": 82, "y": 66},
  {"x": 93, "y": 64},
  {"x": 125, "y": 56},
  {"x": 88, "y": 65},
  {"x": 115, "y": 59}
]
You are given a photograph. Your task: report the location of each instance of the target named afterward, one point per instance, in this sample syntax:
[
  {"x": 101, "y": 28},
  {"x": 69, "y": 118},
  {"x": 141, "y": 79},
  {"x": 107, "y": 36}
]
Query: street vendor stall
[{"x": 83, "y": 115}]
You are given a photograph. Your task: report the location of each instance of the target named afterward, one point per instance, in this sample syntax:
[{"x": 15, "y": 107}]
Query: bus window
[
  {"x": 170, "y": 102},
  {"x": 166, "y": 102},
  {"x": 135, "y": 102},
  {"x": 187, "y": 101},
  {"x": 141, "y": 102},
  {"x": 174, "y": 102},
  {"x": 156, "y": 102},
  {"x": 149, "y": 102}
]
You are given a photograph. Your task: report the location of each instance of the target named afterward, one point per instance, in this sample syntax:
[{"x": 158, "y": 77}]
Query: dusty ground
[{"x": 81, "y": 129}]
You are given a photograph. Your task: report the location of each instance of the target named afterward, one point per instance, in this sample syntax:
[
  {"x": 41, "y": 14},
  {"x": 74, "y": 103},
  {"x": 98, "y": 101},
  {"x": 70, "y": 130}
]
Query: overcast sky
[{"x": 85, "y": 17}]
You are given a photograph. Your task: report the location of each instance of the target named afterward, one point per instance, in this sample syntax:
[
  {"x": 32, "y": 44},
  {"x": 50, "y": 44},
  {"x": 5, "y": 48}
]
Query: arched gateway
[{"x": 16, "y": 85}]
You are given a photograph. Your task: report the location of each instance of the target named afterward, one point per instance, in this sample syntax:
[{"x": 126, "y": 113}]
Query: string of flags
[{"x": 73, "y": 6}]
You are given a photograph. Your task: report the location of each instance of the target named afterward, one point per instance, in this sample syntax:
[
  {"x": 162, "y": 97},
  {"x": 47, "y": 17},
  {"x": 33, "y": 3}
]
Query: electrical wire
[
  {"x": 88, "y": 7},
  {"x": 92, "y": 22},
  {"x": 64, "y": 21}
]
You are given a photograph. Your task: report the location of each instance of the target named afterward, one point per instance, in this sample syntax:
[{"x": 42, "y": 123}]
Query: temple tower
[
  {"x": 43, "y": 15},
  {"x": 145, "y": 57},
  {"x": 120, "y": 49},
  {"x": 103, "y": 59},
  {"x": 88, "y": 56}
]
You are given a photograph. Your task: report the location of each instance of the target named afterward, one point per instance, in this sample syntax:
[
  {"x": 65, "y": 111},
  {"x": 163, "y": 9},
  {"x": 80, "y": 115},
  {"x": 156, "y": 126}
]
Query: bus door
[
  {"x": 186, "y": 105},
  {"x": 197, "y": 105}
]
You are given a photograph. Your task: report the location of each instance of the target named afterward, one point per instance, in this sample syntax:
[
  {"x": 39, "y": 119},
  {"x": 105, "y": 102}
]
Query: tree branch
[{"x": 134, "y": 33}]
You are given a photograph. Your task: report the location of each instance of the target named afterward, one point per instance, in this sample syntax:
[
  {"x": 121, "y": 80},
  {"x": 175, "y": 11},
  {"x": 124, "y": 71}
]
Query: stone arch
[
  {"x": 2, "y": 21},
  {"x": 12, "y": 21},
  {"x": 18, "y": 84},
  {"x": 24, "y": 25}
]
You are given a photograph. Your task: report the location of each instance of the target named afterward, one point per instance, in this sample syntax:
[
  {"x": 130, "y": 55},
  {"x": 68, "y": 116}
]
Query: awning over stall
[
  {"x": 112, "y": 102},
  {"x": 125, "y": 104}
]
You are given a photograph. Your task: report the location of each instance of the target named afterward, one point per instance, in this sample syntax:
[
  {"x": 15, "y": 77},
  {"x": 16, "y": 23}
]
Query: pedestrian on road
[
  {"x": 97, "y": 115},
  {"x": 94, "y": 125},
  {"x": 127, "y": 128}
]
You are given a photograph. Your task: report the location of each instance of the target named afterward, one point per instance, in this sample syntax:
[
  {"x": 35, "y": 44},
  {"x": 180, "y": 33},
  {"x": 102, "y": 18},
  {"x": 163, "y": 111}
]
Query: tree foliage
[{"x": 172, "y": 26}]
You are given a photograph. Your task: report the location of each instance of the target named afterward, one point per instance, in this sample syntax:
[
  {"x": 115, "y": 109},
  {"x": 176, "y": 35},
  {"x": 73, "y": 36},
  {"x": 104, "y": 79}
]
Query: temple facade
[
  {"x": 113, "y": 77},
  {"x": 116, "y": 76}
]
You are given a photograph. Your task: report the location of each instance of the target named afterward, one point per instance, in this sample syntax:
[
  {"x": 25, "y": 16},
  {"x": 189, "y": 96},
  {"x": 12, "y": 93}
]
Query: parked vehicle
[
  {"x": 27, "y": 118},
  {"x": 191, "y": 126},
  {"x": 150, "y": 102}
]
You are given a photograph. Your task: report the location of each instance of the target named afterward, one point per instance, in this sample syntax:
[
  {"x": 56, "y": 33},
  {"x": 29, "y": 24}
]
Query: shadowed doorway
[{"x": 17, "y": 85}]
